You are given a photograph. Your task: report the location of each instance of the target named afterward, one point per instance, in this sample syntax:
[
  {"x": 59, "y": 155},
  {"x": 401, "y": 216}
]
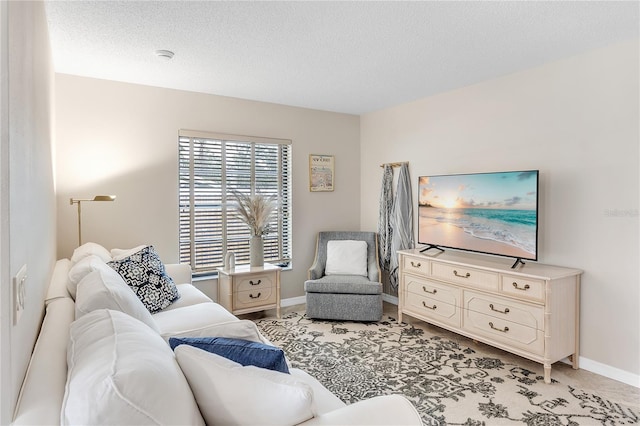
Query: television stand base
[
  {"x": 518, "y": 261},
  {"x": 431, "y": 246}
]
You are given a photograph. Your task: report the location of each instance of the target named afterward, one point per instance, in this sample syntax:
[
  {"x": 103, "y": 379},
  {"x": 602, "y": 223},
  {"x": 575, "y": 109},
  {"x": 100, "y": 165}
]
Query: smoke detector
[{"x": 164, "y": 54}]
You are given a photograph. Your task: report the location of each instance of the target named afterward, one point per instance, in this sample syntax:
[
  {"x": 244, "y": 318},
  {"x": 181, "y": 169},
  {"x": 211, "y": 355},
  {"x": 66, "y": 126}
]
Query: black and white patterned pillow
[{"x": 144, "y": 272}]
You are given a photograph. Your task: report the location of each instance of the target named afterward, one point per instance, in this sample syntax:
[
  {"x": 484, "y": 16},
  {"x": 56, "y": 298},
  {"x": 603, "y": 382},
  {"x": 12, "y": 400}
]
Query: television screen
[{"x": 493, "y": 213}]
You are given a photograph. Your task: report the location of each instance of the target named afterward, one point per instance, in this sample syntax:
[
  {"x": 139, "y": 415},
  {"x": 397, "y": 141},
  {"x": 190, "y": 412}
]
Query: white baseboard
[
  {"x": 610, "y": 372},
  {"x": 292, "y": 301},
  {"x": 585, "y": 363},
  {"x": 391, "y": 299}
]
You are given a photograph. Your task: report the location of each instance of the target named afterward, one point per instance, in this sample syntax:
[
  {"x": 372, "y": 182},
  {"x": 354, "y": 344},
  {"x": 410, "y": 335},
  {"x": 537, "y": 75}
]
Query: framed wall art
[{"x": 321, "y": 173}]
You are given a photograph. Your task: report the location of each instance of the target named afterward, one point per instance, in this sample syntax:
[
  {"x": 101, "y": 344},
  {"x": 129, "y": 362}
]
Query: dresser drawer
[
  {"x": 505, "y": 309},
  {"x": 255, "y": 282},
  {"x": 468, "y": 276},
  {"x": 522, "y": 287},
  {"x": 432, "y": 290},
  {"x": 433, "y": 309},
  {"x": 416, "y": 265},
  {"x": 505, "y": 332},
  {"x": 255, "y": 297}
]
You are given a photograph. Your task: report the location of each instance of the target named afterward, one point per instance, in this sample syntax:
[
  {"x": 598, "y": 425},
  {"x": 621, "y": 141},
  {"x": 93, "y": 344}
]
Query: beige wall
[
  {"x": 575, "y": 120},
  {"x": 27, "y": 192},
  {"x": 121, "y": 139}
]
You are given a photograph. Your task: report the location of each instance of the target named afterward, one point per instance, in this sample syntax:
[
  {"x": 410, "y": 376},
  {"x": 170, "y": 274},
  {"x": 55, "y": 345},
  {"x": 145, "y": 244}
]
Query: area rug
[{"x": 449, "y": 383}]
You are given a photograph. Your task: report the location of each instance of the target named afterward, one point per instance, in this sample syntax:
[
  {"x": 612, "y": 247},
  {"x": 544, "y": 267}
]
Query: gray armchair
[{"x": 345, "y": 297}]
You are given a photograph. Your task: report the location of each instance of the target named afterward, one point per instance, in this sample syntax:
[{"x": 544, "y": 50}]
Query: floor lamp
[{"x": 79, "y": 201}]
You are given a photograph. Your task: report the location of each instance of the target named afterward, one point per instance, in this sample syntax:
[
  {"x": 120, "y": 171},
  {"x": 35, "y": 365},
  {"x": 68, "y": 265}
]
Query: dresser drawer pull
[
  {"x": 525, "y": 288},
  {"x": 467, "y": 275},
  {"x": 252, "y": 283},
  {"x": 506, "y": 310},
  {"x": 255, "y": 297},
  {"x": 429, "y": 291},
  {"x": 416, "y": 265},
  {"x": 433, "y": 308},
  {"x": 503, "y": 330}
]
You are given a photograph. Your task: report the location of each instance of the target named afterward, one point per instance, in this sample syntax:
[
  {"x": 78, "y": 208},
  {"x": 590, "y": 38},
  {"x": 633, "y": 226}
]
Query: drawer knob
[
  {"x": 416, "y": 265},
  {"x": 502, "y": 330},
  {"x": 517, "y": 287},
  {"x": 506, "y": 310},
  {"x": 433, "y": 308},
  {"x": 254, "y": 297},
  {"x": 467, "y": 275},
  {"x": 256, "y": 283},
  {"x": 429, "y": 291}
]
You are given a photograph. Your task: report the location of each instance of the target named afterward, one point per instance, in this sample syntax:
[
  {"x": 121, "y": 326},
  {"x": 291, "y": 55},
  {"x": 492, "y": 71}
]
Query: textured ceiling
[{"x": 351, "y": 57}]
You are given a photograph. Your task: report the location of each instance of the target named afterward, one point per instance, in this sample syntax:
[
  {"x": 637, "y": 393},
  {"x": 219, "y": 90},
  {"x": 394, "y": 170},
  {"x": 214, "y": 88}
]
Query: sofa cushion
[
  {"x": 81, "y": 269},
  {"x": 191, "y": 320},
  {"x": 189, "y": 295},
  {"x": 144, "y": 272},
  {"x": 230, "y": 394},
  {"x": 346, "y": 257},
  {"x": 244, "y": 352},
  {"x": 88, "y": 249},
  {"x": 121, "y": 373},
  {"x": 105, "y": 289}
]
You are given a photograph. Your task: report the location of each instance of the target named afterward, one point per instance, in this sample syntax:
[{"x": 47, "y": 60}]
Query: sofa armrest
[
  {"x": 179, "y": 272},
  {"x": 381, "y": 410}
]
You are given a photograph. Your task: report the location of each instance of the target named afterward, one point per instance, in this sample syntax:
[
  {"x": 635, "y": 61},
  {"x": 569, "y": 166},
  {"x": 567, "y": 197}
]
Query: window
[{"x": 211, "y": 167}]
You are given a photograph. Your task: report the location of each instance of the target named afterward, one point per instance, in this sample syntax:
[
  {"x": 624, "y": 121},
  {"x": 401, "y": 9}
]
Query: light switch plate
[{"x": 19, "y": 291}]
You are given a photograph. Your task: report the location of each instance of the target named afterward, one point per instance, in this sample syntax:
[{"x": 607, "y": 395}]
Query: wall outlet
[{"x": 19, "y": 291}]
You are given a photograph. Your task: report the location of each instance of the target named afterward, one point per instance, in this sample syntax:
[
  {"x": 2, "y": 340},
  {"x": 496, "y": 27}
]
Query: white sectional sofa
[{"x": 107, "y": 367}]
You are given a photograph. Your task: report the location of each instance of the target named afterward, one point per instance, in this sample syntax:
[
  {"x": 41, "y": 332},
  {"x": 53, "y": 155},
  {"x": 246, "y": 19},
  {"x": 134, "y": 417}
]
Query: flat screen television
[{"x": 492, "y": 213}]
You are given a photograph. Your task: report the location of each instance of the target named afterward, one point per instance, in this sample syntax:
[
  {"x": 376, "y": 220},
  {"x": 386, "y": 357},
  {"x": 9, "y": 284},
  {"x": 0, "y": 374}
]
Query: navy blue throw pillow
[{"x": 241, "y": 351}]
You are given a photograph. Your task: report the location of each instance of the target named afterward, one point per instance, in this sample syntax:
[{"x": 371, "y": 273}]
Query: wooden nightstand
[{"x": 247, "y": 289}]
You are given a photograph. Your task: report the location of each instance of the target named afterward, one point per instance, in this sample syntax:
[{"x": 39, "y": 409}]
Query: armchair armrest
[
  {"x": 179, "y": 272},
  {"x": 381, "y": 410},
  {"x": 316, "y": 271}
]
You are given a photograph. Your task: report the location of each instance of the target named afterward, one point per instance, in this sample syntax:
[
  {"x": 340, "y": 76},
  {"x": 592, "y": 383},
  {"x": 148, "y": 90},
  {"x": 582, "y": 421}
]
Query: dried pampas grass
[{"x": 255, "y": 211}]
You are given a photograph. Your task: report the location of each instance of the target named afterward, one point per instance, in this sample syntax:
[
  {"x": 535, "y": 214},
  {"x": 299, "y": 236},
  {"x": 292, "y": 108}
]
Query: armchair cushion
[
  {"x": 346, "y": 257},
  {"x": 352, "y": 284}
]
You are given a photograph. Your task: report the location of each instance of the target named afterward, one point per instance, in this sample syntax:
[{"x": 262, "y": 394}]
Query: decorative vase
[{"x": 256, "y": 251}]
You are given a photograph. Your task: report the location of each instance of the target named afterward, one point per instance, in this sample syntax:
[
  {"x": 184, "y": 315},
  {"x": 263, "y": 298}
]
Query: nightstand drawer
[
  {"x": 255, "y": 297},
  {"x": 463, "y": 275},
  {"x": 255, "y": 282}
]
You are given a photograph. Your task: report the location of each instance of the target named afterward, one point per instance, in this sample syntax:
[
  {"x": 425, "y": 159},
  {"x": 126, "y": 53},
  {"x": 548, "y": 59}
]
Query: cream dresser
[
  {"x": 532, "y": 311},
  {"x": 245, "y": 289}
]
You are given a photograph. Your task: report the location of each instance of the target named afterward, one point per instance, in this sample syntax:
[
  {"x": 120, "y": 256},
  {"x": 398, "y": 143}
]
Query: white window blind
[{"x": 211, "y": 167}]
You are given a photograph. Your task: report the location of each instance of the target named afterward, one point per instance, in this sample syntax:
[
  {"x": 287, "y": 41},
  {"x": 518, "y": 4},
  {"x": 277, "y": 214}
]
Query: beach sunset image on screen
[{"x": 494, "y": 213}]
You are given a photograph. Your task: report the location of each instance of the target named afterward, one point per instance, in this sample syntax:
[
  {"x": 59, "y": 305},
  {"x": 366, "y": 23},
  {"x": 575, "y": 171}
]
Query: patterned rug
[{"x": 449, "y": 384}]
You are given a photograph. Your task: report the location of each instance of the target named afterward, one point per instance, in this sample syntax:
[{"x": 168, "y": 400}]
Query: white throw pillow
[
  {"x": 90, "y": 248},
  {"x": 346, "y": 257},
  {"x": 119, "y": 254},
  {"x": 105, "y": 289},
  {"x": 230, "y": 394},
  {"x": 122, "y": 374},
  {"x": 81, "y": 269}
]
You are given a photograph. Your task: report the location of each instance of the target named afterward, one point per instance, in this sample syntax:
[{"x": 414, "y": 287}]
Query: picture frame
[{"x": 321, "y": 173}]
